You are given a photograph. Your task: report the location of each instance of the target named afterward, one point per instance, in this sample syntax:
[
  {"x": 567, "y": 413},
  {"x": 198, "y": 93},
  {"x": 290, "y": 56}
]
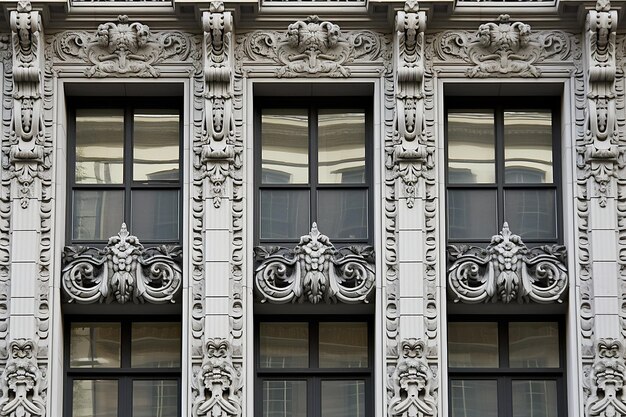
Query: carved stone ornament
[
  {"x": 502, "y": 49},
  {"x": 22, "y": 382},
  {"x": 413, "y": 383},
  {"x": 507, "y": 271},
  {"x": 314, "y": 271},
  {"x": 606, "y": 381},
  {"x": 122, "y": 49},
  {"x": 123, "y": 271},
  {"x": 217, "y": 385}
]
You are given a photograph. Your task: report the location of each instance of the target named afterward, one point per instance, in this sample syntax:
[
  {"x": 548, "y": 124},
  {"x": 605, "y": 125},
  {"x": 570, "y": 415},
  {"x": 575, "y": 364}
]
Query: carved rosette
[
  {"x": 22, "y": 384},
  {"x": 507, "y": 271},
  {"x": 217, "y": 384},
  {"x": 412, "y": 384},
  {"x": 123, "y": 271},
  {"x": 314, "y": 271},
  {"x": 606, "y": 381}
]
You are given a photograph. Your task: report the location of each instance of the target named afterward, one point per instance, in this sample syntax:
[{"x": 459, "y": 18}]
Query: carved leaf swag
[
  {"x": 506, "y": 271},
  {"x": 22, "y": 382},
  {"x": 413, "y": 383},
  {"x": 503, "y": 49},
  {"x": 217, "y": 384},
  {"x": 606, "y": 381},
  {"x": 314, "y": 271},
  {"x": 122, "y": 48},
  {"x": 123, "y": 271}
]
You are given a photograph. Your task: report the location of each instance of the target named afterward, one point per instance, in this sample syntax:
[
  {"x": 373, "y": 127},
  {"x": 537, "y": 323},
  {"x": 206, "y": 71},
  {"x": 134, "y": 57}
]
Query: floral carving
[
  {"x": 315, "y": 271},
  {"x": 217, "y": 384},
  {"x": 123, "y": 271},
  {"x": 507, "y": 270},
  {"x": 607, "y": 381},
  {"x": 22, "y": 382}
]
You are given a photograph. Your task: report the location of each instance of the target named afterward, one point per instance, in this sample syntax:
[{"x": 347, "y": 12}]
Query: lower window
[{"x": 123, "y": 368}]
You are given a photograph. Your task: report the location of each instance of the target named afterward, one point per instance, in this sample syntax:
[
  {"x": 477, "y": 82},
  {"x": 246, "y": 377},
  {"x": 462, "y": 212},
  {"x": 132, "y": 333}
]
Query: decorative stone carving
[
  {"x": 502, "y": 49},
  {"x": 22, "y": 383},
  {"x": 606, "y": 381},
  {"x": 506, "y": 271},
  {"x": 315, "y": 271},
  {"x": 217, "y": 385},
  {"x": 123, "y": 271},
  {"x": 413, "y": 383}
]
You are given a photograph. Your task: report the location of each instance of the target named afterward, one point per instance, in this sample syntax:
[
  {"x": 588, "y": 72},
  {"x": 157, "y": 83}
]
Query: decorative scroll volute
[
  {"x": 314, "y": 271},
  {"x": 123, "y": 271},
  {"x": 507, "y": 271},
  {"x": 22, "y": 382},
  {"x": 606, "y": 381}
]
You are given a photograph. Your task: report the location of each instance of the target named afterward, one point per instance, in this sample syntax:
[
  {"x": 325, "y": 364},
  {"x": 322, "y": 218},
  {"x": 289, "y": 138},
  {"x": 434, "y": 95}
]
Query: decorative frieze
[
  {"x": 123, "y": 271},
  {"x": 606, "y": 381},
  {"x": 506, "y": 271},
  {"x": 22, "y": 384},
  {"x": 314, "y": 271}
]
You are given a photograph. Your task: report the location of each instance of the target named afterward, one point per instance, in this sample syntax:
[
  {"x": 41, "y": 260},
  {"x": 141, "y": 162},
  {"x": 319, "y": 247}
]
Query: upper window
[
  {"x": 125, "y": 168},
  {"x": 502, "y": 166},
  {"x": 313, "y": 166}
]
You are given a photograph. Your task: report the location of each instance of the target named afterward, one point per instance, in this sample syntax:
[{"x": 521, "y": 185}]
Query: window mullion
[
  {"x": 128, "y": 164},
  {"x": 313, "y": 160},
  {"x": 499, "y": 126}
]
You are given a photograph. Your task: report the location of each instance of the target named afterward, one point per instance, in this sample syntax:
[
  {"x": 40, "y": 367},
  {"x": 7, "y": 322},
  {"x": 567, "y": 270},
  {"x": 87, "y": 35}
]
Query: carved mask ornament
[
  {"x": 21, "y": 382},
  {"x": 607, "y": 397}
]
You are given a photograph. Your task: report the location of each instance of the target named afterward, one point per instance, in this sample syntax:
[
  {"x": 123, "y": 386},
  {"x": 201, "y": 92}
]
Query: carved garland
[{"x": 22, "y": 383}]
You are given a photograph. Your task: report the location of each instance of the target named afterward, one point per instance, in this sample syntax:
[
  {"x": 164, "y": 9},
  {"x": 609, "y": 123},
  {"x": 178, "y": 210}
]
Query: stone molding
[
  {"x": 606, "y": 381},
  {"x": 22, "y": 384},
  {"x": 124, "y": 271}
]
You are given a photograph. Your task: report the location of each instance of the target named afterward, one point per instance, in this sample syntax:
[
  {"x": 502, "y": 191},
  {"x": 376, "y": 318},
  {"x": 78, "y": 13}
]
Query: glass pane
[
  {"x": 94, "y": 398},
  {"x": 95, "y": 345},
  {"x": 534, "y": 399},
  {"x": 284, "y": 214},
  {"x": 341, "y": 146},
  {"x": 156, "y": 145},
  {"x": 284, "y": 399},
  {"x": 342, "y": 214},
  {"x": 284, "y": 345},
  {"x": 531, "y": 213},
  {"x": 155, "y": 214},
  {"x": 343, "y": 398},
  {"x": 155, "y": 398},
  {"x": 343, "y": 345},
  {"x": 155, "y": 345},
  {"x": 533, "y": 345},
  {"x": 285, "y": 146},
  {"x": 471, "y": 147},
  {"x": 97, "y": 215},
  {"x": 473, "y": 345},
  {"x": 528, "y": 147},
  {"x": 99, "y": 146},
  {"x": 474, "y": 398},
  {"x": 472, "y": 214}
]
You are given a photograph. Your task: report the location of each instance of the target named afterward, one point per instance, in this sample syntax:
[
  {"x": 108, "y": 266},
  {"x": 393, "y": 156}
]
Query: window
[
  {"x": 125, "y": 157},
  {"x": 506, "y": 368},
  {"x": 502, "y": 166},
  {"x": 314, "y": 368},
  {"x": 122, "y": 368},
  {"x": 313, "y": 166}
]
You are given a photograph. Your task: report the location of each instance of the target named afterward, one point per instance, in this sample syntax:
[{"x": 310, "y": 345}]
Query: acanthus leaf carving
[
  {"x": 507, "y": 270},
  {"x": 123, "y": 271},
  {"x": 606, "y": 381},
  {"x": 22, "y": 383},
  {"x": 314, "y": 271}
]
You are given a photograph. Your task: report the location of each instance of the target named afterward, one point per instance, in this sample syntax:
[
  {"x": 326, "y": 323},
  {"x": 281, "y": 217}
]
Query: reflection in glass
[
  {"x": 534, "y": 399},
  {"x": 474, "y": 398},
  {"x": 97, "y": 215},
  {"x": 94, "y": 398},
  {"x": 471, "y": 147},
  {"x": 155, "y": 398},
  {"x": 472, "y": 345},
  {"x": 525, "y": 338},
  {"x": 285, "y": 146},
  {"x": 343, "y": 345},
  {"x": 156, "y": 145},
  {"x": 528, "y": 147},
  {"x": 531, "y": 213},
  {"x": 95, "y": 345},
  {"x": 155, "y": 345},
  {"x": 342, "y": 214},
  {"x": 472, "y": 214},
  {"x": 155, "y": 214},
  {"x": 341, "y": 146},
  {"x": 99, "y": 146},
  {"x": 284, "y": 399},
  {"x": 343, "y": 398},
  {"x": 284, "y": 345},
  {"x": 284, "y": 214}
]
